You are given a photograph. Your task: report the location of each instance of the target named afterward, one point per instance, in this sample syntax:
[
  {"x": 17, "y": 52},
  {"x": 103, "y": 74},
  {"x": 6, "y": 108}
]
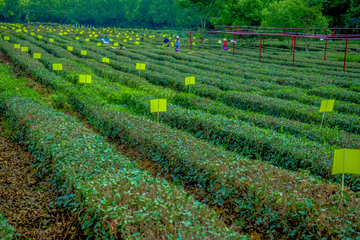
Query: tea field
[{"x": 243, "y": 150}]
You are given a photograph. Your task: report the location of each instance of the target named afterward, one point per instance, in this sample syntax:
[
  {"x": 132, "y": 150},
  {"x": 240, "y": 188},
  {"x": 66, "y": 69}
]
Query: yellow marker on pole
[
  {"x": 326, "y": 106},
  {"x": 37, "y": 55},
  {"x": 84, "y": 53},
  {"x": 106, "y": 60},
  {"x": 57, "y": 67},
  {"x": 346, "y": 161},
  {"x": 140, "y": 66},
  {"x": 18, "y": 46},
  {"x": 70, "y": 48},
  {"x": 84, "y": 78},
  {"x": 51, "y": 40},
  {"x": 158, "y": 105},
  {"x": 189, "y": 81},
  {"x": 24, "y": 49}
]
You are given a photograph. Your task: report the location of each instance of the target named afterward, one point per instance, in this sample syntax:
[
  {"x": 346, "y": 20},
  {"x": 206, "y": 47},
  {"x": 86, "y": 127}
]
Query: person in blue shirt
[
  {"x": 177, "y": 44},
  {"x": 166, "y": 42}
]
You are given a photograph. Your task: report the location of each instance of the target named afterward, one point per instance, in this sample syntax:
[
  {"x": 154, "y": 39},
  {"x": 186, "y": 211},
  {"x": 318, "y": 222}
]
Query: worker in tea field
[
  {"x": 177, "y": 44},
  {"x": 225, "y": 44},
  {"x": 166, "y": 42}
]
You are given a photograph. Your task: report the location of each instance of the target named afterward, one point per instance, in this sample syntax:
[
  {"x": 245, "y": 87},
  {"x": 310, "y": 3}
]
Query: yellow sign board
[
  {"x": 57, "y": 67},
  {"x": 346, "y": 161},
  {"x": 140, "y": 66},
  {"x": 37, "y": 55},
  {"x": 158, "y": 105},
  {"x": 189, "y": 81},
  {"x": 327, "y": 106},
  {"x": 84, "y": 78}
]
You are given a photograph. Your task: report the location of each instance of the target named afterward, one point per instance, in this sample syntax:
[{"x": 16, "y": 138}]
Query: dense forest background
[{"x": 185, "y": 14}]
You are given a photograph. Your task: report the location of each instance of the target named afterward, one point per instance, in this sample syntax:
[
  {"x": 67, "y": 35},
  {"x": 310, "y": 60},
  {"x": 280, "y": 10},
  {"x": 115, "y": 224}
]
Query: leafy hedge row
[
  {"x": 285, "y": 74},
  {"x": 260, "y": 194},
  {"x": 6, "y": 231},
  {"x": 290, "y": 109},
  {"x": 117, "y": 199},
  {"x": 35, "y": 69},
  {"x": 342, "y": 95},
  {"x": 282, "y": 150},
  {"x": 303, "y": 97},
  {"x": 339, "y": 138}
]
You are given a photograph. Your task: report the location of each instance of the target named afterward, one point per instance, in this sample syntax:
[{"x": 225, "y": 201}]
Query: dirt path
[{"x": 25, "y": 199}]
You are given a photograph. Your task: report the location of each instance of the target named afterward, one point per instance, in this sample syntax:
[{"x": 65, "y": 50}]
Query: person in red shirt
[{"x": 225, "y": 44}]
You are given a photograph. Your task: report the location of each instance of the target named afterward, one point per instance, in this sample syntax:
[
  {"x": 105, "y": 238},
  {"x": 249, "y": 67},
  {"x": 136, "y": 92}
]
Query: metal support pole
[
  {"x": 190, "y": 42},
  {"x": 242, "y": 37},
  {"x": 234, "y": 47},
  {"x": 263, "y": 45},
  {"x": 292, "y": 43},
  {"x": 260, "y": 48},
  {"x": 294, "y": 51},
  {"x": 345, "y": 54},
  {"x": 325, "y": 49},
  {"x": 209, "y": 40}
]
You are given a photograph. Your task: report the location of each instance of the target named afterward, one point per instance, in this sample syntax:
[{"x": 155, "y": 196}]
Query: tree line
[{"x": 185, "y": 14}]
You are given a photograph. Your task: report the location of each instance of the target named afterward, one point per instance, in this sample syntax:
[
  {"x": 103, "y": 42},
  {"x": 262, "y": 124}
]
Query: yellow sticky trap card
[
  {"x": 90, "y": 35},
  {"x": 351, "y": 163},
  {"x": 77, "y": 38},
  {"x": 40, "y": 37},
  {"x": 57, "y": 67},
  {"x": 140, "y": 66},
  {"x": 189, "y": 81},
  {"x": 84, "y": 53},
  {"x": 84, "y": 78},
  {"x": 193, "y": 43},
  {"x": 18, "y": 46},
  {"x": 98, "y": 44},
  {"x": 70, "y": 48},
  {"x": 51, "y": 40},
  {"x": 172, "y": 44},
  {"x": 87, "y": 40},
  {"x": 194, "y": 38},
  {"x": 327, "y": 106},
  {"x": 137, "y": 43},
  {"x": 116, "y": 44},
  {"x": 60, "y": 33},
  {"x": 158, "y": 105},
  {"x": 125, "y": 40},
  {"x": 24, "y": 49},
  {"x": 37, "y": 55},
  {"x": 32, "y": 34},
  {"x": 65, "y": 33},
  {"x": 106, "y": 60},
  {"x": 130, "y": 39},
  {"x": 6, "y": 38}
]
